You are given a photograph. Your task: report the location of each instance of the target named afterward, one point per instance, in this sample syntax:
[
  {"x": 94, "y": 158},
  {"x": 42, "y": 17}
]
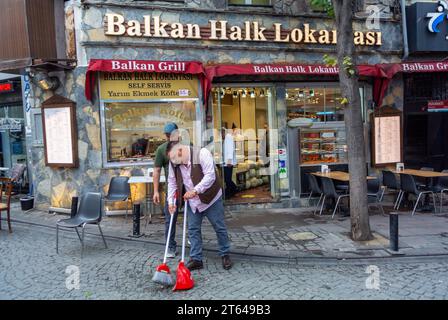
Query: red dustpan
[{"x": 184, "y": 280}]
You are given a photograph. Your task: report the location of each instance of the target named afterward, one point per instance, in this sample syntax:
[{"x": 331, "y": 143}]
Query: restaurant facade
[{"x": 205, "y": 65}]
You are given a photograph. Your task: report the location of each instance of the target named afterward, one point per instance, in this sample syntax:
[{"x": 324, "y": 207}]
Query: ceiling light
[
  {"x": 235, "y": 94},
  {"x": 244, "y": 94}
]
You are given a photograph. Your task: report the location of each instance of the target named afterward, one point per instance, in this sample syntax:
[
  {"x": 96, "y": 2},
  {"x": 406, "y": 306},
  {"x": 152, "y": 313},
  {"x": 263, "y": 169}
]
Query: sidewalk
[{"x": 286, "y": 233}]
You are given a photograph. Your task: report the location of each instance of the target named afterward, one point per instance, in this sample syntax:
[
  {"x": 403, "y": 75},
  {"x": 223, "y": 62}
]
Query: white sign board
[
  {"x": 58, "y": 133},
  {"x": 387, "y": 140}
]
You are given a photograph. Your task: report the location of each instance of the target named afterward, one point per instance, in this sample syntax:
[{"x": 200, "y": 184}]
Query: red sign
[
  {"x": 6, "y": 87},
  {"x": 190, "y": 67},
  {"x": 438, "y": 105}
]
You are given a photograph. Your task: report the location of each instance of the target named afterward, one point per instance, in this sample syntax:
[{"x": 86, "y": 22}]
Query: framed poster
[
  {"x": 387, "y": 137},
  {"x": 60, "y": 132}
]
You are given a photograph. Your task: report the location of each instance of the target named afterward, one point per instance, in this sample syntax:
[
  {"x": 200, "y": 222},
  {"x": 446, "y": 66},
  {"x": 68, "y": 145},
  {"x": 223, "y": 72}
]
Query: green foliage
[
  {"x": 349, "y": 66},
  {"x": 323, "y": 5},
  {"x": 330, "y": 60}
]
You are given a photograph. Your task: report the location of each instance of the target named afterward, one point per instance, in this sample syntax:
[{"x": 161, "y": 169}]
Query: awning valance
[{"x": 186, "y": 67}]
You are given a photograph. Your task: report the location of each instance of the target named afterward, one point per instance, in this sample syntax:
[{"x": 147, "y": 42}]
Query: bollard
[
  {"x": 136, "y": 221},
  {"x": 74, "y": 208},
  {"x": 393, "y": 230}
]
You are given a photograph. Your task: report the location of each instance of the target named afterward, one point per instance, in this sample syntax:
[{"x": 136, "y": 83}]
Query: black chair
[
  {"x": 315, "y": 189},
  {"x": 424, "y": 183},
  {"x": 329, "y": 191},
  {"x": 441, "y": 187},
  {"x": 373, "y": 193},
  {"x": 409, "y": 186},
  {"x": 119, "y": 191},
  {"x": 89, "y": 212},
  {"x": 390, "y": 183}
]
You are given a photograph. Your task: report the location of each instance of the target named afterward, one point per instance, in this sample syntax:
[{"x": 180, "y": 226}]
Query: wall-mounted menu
[
  {"x": 387, "y": 140},
  {"x": 59, "y": 125}
]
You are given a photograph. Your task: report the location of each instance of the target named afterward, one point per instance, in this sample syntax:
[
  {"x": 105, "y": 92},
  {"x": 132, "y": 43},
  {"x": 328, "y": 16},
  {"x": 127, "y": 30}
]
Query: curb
[{"x": 308, "y": 259}]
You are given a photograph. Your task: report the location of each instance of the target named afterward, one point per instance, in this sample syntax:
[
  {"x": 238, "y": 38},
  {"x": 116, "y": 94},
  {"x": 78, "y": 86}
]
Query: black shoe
[
  {"x": 194, "y": 265},
  {"x": 226, "y": 262}
]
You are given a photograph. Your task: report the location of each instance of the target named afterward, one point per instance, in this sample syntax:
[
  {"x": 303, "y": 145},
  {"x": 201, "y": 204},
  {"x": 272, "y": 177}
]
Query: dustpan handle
[
  {"x": 185, "y": 230},
  {"x": 168, "y": 237}
]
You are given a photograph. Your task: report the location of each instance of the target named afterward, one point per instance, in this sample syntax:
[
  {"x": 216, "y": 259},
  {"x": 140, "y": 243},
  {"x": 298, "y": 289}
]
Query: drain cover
[{"x": 302, "y": 236}]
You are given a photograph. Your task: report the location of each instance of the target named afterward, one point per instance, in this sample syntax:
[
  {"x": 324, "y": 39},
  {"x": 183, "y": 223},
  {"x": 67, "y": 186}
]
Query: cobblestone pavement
[
  {"x": 31, "y": 269},
  {"x": 290, "y": 233}
]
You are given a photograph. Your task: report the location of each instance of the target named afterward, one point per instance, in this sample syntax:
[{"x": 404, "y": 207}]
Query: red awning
[{"x": 190, "y": 67}]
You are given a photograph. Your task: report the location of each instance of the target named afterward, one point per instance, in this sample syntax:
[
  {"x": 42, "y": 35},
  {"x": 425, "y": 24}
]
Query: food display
[{"x": 322, "y": 146}]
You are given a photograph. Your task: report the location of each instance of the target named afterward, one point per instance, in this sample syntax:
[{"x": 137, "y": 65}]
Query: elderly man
[
  {"x": 162, "y": 161},
  {"x": 194, "y": 168}
]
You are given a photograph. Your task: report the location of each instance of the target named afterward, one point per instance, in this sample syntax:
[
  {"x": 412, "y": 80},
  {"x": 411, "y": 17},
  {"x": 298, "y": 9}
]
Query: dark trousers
[{"x": 231, "y": 187}]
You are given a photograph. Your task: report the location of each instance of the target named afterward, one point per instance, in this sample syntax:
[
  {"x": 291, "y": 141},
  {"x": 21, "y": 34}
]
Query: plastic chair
[
  {"x": 409, "y": 186},
  {"x": 390, "y": 182},
  {"x": 424, "y": 183},
  {"x": 373, "y": 191},
  {"x": 119, "y": 191},
  {"x": 329, "y": 191},
  {"x": 89, "y": 212},
  {"x": 441, "y": 187},
  {"x": 315, "y": 189}
]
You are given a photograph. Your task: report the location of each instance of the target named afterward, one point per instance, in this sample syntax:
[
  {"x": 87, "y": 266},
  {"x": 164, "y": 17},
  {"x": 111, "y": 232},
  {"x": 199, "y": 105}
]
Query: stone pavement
[
  {"x": 31, "y": 269},
  {"x": 288, "y": 233}
]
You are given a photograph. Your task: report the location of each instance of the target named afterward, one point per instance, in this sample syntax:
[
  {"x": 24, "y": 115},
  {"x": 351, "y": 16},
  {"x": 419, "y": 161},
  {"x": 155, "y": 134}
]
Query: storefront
[
  {"x": 249, "y": 71},
  {"x": 12, "y": 125}
]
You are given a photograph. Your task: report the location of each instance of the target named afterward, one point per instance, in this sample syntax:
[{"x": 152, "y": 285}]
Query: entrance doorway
[{"x": 245, "y": 143}]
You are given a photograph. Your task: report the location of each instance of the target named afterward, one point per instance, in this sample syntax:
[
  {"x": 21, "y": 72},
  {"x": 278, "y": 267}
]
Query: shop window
[
  {"x": 133, "y": 131},
  {"x": 250, "y": 2}
]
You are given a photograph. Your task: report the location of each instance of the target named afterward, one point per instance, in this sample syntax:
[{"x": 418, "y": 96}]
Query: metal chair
[
  {"x": 315, "y": 189},
  {"x": 424, "y": 183},
  {"x": 119, "y": 191},
  {"x": 441, "y": 187},
  {"x": 6, "y": 184},
  {"x": 89, "y": 212},
  {"x": 329, "y": 191},
  {"x": 409, "y": 186},
  {"x": 373, "y": 192},
  {"x": 390, "y": 182}
]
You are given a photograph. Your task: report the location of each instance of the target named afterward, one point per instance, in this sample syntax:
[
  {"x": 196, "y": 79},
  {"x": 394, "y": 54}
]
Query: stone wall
[{"x": 56, "y": 187}]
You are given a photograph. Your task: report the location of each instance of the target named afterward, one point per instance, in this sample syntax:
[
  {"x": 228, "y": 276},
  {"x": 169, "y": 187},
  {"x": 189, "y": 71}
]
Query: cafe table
[
  {"x": 338, "y": 175},
  {"x": 421, "y": 173},
  {"x": 149, "y": 185}
]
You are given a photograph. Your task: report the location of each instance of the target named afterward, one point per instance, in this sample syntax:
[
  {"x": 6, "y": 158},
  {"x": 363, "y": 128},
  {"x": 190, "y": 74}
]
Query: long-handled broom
[
  {"x": 184, "y": 280},
  {"x": 163, "y": 274}
]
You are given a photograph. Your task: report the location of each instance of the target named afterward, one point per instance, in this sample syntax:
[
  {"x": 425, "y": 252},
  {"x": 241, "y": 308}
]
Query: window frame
[{"x": 104, "y": 145}]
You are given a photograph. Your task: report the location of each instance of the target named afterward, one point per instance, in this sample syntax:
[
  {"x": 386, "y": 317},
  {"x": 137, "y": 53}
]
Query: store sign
[
  {"x": 14, "y": 125},
  {"x": 438, "y": 106},
  {"x": 427, "y": 24},
  {"x": 146, "y": 85},
  {"x": 154, "y": 27},
  {"x": 6, "y": 87}
]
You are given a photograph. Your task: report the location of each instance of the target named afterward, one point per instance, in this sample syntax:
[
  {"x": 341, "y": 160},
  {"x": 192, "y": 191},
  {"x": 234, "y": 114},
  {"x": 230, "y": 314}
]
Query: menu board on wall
[
  {"x": 59, "y": 126},
  {"x": 387, "y": 140}
]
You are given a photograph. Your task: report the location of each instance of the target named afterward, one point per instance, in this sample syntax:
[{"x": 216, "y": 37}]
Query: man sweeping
[{"x": 194, "y": 168}]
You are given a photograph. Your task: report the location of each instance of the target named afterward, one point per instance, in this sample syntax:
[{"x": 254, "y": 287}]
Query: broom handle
[
  {"x": 168, "y": 237},
  {"x": 185, "y": 230}
]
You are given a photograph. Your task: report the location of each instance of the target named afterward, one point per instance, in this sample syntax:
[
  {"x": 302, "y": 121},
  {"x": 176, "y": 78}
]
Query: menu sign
[
  {"x": 387, "y": 140},
  {"x": 59, "y": 126},
  {"x": 146, "y": 85}
]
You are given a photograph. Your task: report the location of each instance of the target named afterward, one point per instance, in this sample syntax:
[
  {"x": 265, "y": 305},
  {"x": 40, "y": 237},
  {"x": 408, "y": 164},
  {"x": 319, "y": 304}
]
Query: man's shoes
[
  {"x": 194, "y": 265},
  {"x": 171, "y": 254},
  {"x": 226, "y": 262}
]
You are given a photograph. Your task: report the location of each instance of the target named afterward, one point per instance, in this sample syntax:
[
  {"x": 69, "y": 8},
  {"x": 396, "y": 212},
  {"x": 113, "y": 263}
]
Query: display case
[{"x": 323, "y": 146}]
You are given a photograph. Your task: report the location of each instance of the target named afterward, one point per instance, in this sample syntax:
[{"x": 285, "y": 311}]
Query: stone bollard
[{"x": 136, "y": 221}]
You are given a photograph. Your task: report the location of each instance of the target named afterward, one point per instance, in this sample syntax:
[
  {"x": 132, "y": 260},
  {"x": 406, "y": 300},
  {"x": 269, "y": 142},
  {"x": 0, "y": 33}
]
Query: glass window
[
  {"x": 133, "y": 131},
  {"x": 250, "y": 2}
]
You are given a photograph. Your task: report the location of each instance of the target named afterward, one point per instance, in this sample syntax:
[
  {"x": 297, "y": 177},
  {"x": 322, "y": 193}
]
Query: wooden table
[
  {"x": 422, "y": 173},
  {"x": 338, "y": 175}
]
